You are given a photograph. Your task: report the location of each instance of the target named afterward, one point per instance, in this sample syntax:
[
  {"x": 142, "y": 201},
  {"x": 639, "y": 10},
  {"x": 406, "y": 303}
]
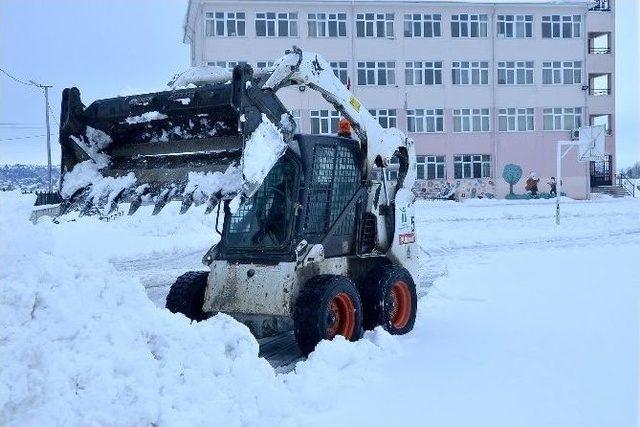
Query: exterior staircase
[{"x": 611, "y": 190}]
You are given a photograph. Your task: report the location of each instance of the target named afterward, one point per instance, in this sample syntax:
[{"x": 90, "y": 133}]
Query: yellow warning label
[{"x": 354, "y": 103}]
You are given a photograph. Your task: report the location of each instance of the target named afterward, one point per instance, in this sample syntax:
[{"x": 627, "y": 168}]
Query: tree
[
  {"x": 632, "y": 171},
  {"x": 512, "y": 174}
]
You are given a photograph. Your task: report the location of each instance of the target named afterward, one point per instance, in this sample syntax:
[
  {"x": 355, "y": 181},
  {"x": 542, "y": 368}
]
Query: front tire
[
  {"x": 389, "y": 299},
  {"x": 327, "y": 306},
  {"x": 186, "y": 295}
]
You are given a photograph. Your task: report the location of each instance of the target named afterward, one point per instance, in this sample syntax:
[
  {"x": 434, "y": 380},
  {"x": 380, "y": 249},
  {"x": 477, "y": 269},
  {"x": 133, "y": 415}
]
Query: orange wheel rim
[
  {"x": 400, "y": 305},
  {"x": 341, "y": 316}
]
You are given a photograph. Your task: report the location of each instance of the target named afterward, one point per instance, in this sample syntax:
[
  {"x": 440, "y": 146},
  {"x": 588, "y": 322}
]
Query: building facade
[{"x": 476, "y": 85}]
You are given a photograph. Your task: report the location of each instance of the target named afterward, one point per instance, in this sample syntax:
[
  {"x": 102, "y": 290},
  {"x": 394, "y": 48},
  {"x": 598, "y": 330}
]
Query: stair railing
[{"x": 626, "y": 183}]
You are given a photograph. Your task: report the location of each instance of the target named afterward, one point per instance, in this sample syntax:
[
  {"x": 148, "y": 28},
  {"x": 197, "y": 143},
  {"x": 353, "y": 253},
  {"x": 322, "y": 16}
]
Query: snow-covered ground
[{"x": 521, "y": 323}]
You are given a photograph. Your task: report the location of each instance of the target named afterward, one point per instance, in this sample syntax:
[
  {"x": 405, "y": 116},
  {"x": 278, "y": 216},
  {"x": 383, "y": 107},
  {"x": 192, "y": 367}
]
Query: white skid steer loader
[{"x": 314, "y": 236}]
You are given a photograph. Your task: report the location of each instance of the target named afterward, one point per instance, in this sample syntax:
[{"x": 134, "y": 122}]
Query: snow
[
  {"x": 146, "y": 117},
  {"x": 520, "y": 323},
  {"x": 200, "y": 75},
  {"x": 203, "y": 185},
  {"x": 261, "y": 151}
]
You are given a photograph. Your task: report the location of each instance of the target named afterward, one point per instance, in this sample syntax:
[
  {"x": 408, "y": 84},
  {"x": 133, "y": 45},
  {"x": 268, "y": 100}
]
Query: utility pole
[{"x": 46, "y": 114}]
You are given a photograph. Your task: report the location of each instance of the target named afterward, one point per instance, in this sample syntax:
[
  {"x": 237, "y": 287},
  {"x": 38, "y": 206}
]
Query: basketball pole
[{"x": 559, "y": 156}]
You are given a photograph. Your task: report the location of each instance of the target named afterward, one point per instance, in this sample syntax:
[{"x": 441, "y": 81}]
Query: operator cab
[{"x": 312, "y": 193}]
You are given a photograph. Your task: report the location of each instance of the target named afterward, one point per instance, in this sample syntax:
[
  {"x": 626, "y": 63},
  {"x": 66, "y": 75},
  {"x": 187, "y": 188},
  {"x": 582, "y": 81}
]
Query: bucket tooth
[
  {"x": 186, "y": 203},
  {"x": 162, "y": 200},
  {"x": 135, "y": 205},
  {"x": 113, "y": 204},
  {"x": 212, "y": 203}
]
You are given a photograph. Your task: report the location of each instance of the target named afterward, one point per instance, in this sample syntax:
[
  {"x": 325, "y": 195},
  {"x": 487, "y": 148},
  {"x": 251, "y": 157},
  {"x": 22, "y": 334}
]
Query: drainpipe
[
  {"x": 585, "y": 51},
  {"x": 494, "y": 114}
]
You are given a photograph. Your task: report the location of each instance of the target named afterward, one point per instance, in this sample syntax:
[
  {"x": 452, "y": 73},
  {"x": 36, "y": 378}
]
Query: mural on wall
[
  {"x": 512, "y": 174},
  {"x": 455, "y": 190}
]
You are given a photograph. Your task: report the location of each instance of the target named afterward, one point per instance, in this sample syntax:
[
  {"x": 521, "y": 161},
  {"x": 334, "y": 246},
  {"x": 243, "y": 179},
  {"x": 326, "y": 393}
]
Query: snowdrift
[{"x": 84, "y": 345}]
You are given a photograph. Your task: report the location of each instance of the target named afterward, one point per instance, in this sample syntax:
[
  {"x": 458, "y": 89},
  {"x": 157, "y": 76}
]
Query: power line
[
  {"x": 25, "y": 137},
  {"x": 17, "y": 79}
]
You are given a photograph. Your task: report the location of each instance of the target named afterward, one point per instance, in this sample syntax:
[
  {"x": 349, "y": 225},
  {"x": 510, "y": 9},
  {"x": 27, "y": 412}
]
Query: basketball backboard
[{"x": 591, "y": 143}]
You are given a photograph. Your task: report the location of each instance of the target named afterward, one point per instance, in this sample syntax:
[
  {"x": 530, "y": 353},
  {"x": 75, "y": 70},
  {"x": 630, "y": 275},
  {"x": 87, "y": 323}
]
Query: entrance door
[{"x": 601, "y": 172}]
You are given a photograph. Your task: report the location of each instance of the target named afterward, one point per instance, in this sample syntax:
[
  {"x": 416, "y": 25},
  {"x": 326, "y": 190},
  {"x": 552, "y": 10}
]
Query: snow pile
[
  {"x": 83, "y": 344},
  {"x": 261, "y": 152},
  {"x": 146, "y": 117},
  {"x": 200, "y": 75},
  {"x": 103, "y": 189},
  {"x": 203, "y": 185}
]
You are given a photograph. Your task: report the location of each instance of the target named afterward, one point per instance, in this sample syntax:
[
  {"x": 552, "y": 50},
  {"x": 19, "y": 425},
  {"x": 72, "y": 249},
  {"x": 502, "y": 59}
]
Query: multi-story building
[{"x": 477, "y": 85}]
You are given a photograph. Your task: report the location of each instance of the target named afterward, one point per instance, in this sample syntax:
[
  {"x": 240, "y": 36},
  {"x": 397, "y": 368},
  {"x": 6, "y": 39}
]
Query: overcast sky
[{"x": 117, "y": 46}]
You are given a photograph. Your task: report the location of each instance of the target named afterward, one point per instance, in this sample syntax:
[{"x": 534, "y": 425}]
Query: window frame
[
  {"x": 468, "y": 118},
  {"x": 560, "y": 70},
  {"x": 503, "y": 21},
  {"x": 386, "y": 117},
  {"x": 389, "y": 69},
  {"x": 483, "y": 161},
  {"x": 324, "y": 115},
  {"x": 506, "y": 70},
  {"x": 422, "y": 21},
  {"x": 325, "y": 21},
  {"x": 340, "y": 70},
  {"x": 512, "y": 117},
  {"x": 467, "y": 21},
  {"x": 558, "y": 24},
  {"x": 458, "y": 67},
  {"x": 427, "y": 115},
  {"x": 425, "y": 70},
  {"x": 212, "y": 22},
  {"x": 277, "y": 18},
  {"x": 558, "y": 116},
  {"x": 436, "y": 162},
  {"x": 375, "y": 22}
]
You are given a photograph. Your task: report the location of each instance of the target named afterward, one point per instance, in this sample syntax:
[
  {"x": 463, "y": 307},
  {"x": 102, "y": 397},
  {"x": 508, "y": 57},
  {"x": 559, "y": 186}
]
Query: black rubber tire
[
  {"x": 376, "y": 298},
  {"x": 312, "y": 309},
  {"x": 186, "y": 295}
]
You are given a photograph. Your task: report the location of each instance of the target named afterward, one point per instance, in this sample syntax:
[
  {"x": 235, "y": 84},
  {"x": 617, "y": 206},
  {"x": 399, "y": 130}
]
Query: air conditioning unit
[{"x": 575, "y": 134}]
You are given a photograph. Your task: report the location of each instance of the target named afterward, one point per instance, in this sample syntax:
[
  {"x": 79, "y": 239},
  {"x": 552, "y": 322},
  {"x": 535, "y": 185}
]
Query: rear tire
[
  {"x": 186, "y": 295},
  {"x": 327, "y": 306},
  {"x": 389, "y": 299}
]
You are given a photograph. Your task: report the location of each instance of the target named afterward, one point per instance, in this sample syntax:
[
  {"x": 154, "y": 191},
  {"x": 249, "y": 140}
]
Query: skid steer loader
[{"x": 317, "y": 240}]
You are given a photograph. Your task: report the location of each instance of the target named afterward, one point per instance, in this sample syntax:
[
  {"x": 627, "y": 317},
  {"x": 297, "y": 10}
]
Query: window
[
  {"x": 261, "y": 65},
  {"x": 230, "y": 24},
  {"x": 225, "y": 64},
  {"x": 472, "y": 166},
  {"x": 562, "y": 118},
  {"x": 430, "y": 167},
  {"x": 470, "y": 72},
  {"x": 465, "y": 25},
  {"x": 272, "y": 24},
  {"x": 561, "y": 72},
  {"x": 515, "y": 26},
  {"x": 561, "y": 26},
  {"x": 471, "y": 120},
  {"x": 515, "y": 119},
  {"x": 324, "y": 122},
  {"x": 297, "y": 119},
  {"x": 423, "y": 73},
  {"x": 340, "y": 70},
  {"x": 327, "y": 24},
  {"x": 374, "y": 24},
  {"x": 425, "y": 121},
  {"x": 422, "y": 25},
  {"x": 386, "y": 117},
  {"x": 377, "y": 73},
  {"x": 515, "y": 72}
]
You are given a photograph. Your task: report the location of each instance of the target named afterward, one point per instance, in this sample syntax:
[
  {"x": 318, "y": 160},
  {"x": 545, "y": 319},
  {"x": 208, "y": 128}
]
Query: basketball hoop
[{"x": 590, "y": 145}]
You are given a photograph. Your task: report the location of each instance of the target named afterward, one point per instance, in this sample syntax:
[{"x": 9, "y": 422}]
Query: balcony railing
[
  {"x": 599, "y": 92},
  {"x": 601, "y": 6},
  {"x": 600, "y": 50}
]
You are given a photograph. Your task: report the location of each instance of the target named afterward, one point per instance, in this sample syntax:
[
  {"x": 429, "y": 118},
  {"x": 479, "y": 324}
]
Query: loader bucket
[{"x": 183, "y": 144}]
